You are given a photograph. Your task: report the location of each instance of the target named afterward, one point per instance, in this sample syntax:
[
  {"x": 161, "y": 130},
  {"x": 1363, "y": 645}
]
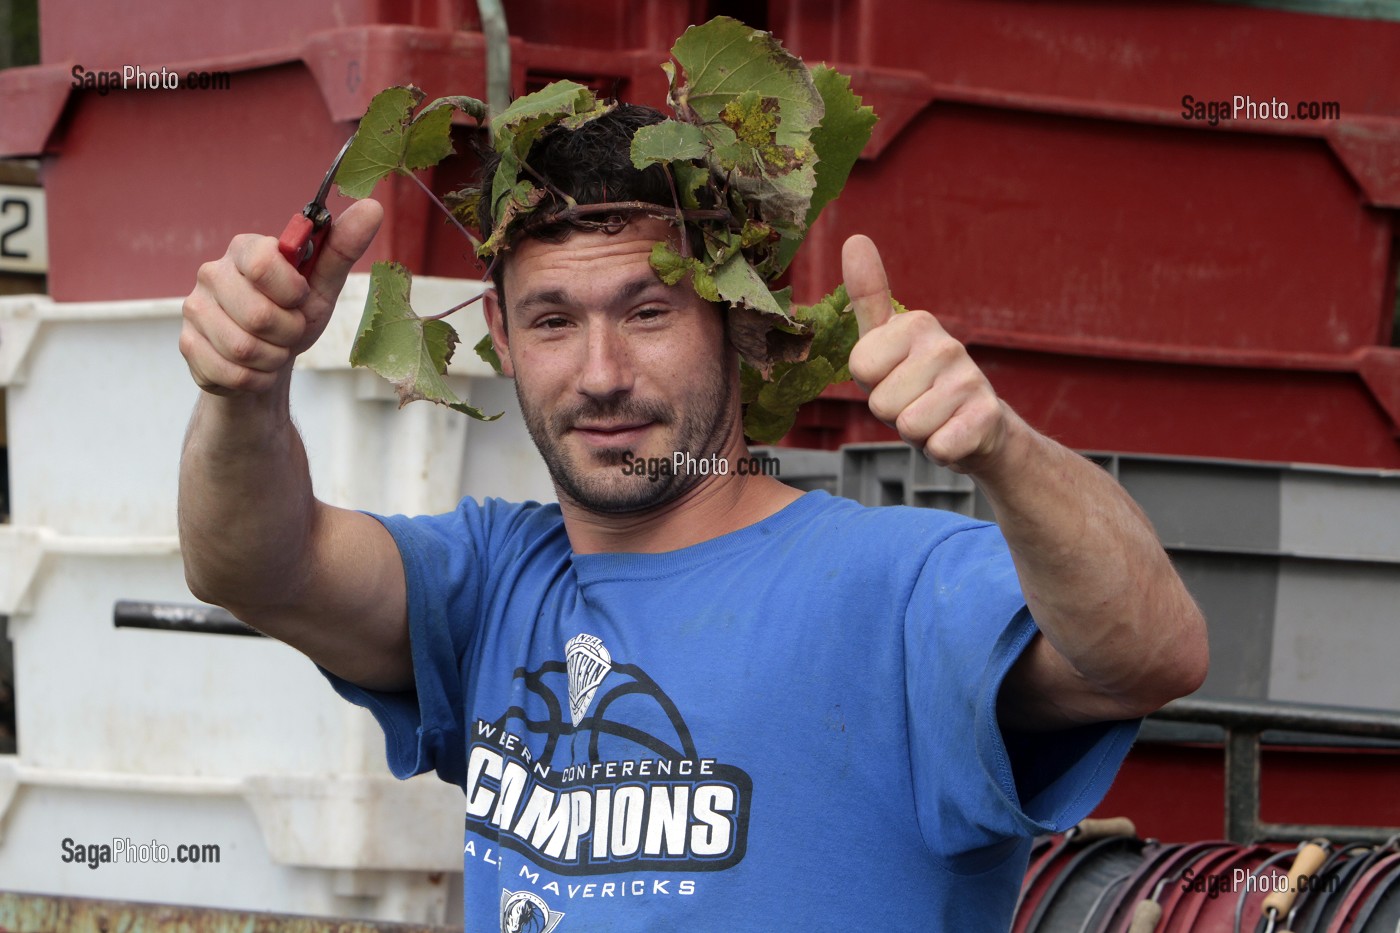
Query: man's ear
[{"x": 496, "y": 324}]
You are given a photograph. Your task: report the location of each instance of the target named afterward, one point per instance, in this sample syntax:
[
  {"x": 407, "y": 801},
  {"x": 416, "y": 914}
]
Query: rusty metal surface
[{"x": 51, "y": 913}]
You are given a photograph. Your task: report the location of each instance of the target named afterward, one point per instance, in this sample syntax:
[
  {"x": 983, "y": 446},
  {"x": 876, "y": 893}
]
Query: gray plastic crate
[
  {"x": 804, "y": 469},
  {"x": 894, "y": 474},
  {"x": 1297, "y": 568}
]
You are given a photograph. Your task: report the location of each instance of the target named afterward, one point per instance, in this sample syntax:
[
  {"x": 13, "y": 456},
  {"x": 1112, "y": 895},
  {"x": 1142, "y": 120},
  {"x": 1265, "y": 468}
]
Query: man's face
[{"x": 609, "y": 360}]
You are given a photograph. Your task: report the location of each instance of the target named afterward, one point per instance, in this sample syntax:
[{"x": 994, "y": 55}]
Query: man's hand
[
  {"x": 251, "y": 312},
  {"x": 921, "y": 381}
]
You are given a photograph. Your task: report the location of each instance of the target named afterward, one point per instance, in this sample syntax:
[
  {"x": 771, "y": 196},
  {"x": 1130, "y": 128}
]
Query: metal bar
[
  {"x": 1244, "y": 722},
  {"x": 1241, "y": 785},
  {"x": 1260, "y": 715},
  {"x": 178, "y": 617},
  {"x": 1293, "y": 832},
  {"x": 52, "y": 913}
]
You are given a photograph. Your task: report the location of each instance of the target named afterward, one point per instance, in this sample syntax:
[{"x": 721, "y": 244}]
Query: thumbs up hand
[{"x": 920, "y": 380}]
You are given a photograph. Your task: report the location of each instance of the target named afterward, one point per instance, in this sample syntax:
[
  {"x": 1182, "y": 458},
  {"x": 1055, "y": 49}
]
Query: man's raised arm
[
  {"x": 254, "y": 538},
  {"x": 1120, "y": 635}
]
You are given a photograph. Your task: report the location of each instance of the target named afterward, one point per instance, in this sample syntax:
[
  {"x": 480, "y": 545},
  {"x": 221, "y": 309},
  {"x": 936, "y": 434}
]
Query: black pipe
[{"x": 179, "y": 617}]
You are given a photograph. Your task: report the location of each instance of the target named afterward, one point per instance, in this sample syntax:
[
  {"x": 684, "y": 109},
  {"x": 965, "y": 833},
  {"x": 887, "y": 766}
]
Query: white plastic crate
[{"x": 180, "y": 737}]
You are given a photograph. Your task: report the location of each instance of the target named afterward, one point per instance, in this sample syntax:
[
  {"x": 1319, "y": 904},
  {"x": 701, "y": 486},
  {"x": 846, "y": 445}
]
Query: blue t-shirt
[{"x": 789, "y": 727}]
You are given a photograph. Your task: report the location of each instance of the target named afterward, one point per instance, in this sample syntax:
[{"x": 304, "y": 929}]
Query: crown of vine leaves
[{"x": 756, "y": 146}]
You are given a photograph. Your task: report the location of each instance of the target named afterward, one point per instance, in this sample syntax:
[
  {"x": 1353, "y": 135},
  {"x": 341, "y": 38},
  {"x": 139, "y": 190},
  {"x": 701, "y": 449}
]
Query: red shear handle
[{"x": 295, "y": 243}]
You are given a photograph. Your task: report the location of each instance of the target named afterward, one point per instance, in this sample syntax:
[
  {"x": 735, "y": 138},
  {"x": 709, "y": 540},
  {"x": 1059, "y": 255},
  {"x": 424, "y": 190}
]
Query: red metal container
[
  {"x": 143, "y": 186},
  {"x": 1129, "y": 276}
]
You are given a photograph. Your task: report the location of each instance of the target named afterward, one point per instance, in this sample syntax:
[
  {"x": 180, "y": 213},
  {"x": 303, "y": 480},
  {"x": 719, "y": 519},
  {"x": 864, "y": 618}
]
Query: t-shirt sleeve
[
  {"x": 446, "y": 561},
  {"x": 967, "y": 624}
]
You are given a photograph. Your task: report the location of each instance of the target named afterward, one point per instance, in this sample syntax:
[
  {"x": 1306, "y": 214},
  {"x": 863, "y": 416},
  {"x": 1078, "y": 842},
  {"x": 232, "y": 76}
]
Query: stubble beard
[{"x": 600, "y": 485}]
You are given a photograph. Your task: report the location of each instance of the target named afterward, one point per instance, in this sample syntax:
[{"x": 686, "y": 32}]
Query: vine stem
[
  {"x": 634, "y": 207},
  {"x": 457, "y": 307},
  {"x": 680, "y": 218},
  {"x": 476, "y": 244},
  {"x": 490, "y": 268}
]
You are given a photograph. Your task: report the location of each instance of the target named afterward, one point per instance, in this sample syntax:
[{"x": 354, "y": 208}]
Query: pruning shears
[{"x": 305, "y": 231}]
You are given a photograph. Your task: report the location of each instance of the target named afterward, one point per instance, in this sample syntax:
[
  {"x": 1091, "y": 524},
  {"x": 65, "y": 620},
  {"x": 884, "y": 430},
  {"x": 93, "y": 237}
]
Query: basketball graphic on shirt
[
  {"x": 592, "y": 707},
  {"x": 593, "y": 767}
]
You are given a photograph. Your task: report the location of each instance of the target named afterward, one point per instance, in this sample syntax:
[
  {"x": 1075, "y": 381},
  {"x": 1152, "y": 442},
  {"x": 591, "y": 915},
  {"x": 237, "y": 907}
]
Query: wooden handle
[
  {"x": 1145, "y": 917},
  {"x": 1102, "y": 829},
  {"x": 1308, "y": 860}
]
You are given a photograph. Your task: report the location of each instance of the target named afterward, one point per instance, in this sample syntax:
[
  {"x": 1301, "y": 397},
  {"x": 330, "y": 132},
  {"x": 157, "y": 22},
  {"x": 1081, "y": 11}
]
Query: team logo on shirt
[
  {"x": 524, "y": 912},
  {"x": 615, "y": 784},
  {"x": 588, "y": 663}
]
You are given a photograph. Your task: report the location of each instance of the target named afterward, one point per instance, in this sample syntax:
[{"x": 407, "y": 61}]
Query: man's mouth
[{"x": 612, "y": 434}]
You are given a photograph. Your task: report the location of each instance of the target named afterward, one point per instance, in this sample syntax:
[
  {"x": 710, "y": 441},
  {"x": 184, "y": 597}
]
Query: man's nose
[{"x": 607, "y": 366}]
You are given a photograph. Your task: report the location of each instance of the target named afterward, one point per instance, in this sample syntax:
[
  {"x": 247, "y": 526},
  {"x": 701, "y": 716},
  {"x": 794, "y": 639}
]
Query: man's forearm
[
  {"x": 246, "y": 508},
  {"x": 1126, "y": 635}
]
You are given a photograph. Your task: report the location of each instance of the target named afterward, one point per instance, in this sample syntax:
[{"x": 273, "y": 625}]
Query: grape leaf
[
  {"x": 390, "y": 139},
  {"x": 514, "y": 131},
  {"x": 486, "y": 350},
  {"x": 845, "y": 129},
  {"x": 767, "y": 427},
  {"x": 771, "y": 105},
  {"x": 670, "y": 266},
  {"x": 405, "y": 349},
  {"x": 667, "y": 141},
  {"x": 835, "y": 331},
  {"x": 798, "y": 386},
  {"x": 527, "y": 115},
  {"x": 472, "y": 107}
]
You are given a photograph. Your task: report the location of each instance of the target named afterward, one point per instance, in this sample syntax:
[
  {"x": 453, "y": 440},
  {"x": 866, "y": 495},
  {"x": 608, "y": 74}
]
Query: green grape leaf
[
  {"x": 798, "y": 386},
  {"x": 668, "y": 141},
  {"x": 515, "y": 130},
  {"x": 405, "y": 349},
  {"x": 750, "y": 383},
  {"x": 486, "y": 350},
  {"x": 773, "y": 409},
  {"x": 527, "y": 115},
  {"x": 670, "y": 266},
  {"x": 515, "y": 201},
  {"x": 767, "y": 427},
  {"x": 690, "y": 178},
  {"x": 845, "y": 129},
  {"x": 390, "y": 139},
  {"x": 835, "y": 331},
  {"x": 476, "y": 109}
]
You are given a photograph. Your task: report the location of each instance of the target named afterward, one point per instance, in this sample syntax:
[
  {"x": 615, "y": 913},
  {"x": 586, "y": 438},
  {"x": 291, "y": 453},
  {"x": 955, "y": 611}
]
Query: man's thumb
[
  {"x": 866, "y": 284},
  {"x": 349, "y": 237}
]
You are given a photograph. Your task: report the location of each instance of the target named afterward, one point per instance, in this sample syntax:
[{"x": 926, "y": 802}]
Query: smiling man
[{"x": 701, "y": 702}]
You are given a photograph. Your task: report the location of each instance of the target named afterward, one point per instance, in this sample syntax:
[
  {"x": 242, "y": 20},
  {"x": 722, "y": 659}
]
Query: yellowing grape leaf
[{"x": 758, "y": 105}]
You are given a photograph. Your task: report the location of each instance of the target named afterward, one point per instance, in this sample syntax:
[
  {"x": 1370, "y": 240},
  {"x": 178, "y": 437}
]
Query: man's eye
[
  {"x": 651, "y": 314},
  {"x": 553, "y": 323}
]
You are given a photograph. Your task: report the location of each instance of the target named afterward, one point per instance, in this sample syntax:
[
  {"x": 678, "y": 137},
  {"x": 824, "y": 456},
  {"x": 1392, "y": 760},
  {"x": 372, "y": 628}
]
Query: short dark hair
[{"x": 592, "y": 164}]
